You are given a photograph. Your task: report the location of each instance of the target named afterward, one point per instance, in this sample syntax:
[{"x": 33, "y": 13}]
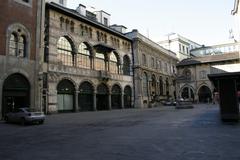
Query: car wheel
[
  {"x": 6, "y": 119},
  {"x": 41, "y": 122},
  {"x": 23, "y": 122}
]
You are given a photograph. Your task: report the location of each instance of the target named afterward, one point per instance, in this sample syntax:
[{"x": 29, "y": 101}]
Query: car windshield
[{"x": 29, "y": 109}]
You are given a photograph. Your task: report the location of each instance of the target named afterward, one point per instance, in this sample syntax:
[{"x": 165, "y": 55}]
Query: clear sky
[{"x": 203, "y": 21}]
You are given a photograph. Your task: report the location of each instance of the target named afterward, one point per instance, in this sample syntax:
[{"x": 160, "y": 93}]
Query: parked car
[
  {"x": 25, "y": 115},
  {"x": 169, "y": 103}
]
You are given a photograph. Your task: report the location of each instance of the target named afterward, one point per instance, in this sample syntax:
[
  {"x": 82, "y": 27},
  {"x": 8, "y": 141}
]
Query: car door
[{"x": 19, "y": 115}]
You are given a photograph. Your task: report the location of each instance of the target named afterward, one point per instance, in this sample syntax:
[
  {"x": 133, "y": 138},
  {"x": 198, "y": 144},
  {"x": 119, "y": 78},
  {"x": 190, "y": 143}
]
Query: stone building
[
  {"x": 19, "y": 48},
  {"x": 154, "y": 71},
  {"x": 87, "y": 64},
  {"x": 192, "y": 80}
]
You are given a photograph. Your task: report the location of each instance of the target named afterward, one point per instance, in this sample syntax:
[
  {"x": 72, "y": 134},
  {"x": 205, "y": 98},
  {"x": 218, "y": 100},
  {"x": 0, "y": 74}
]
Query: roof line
[{"x": 95, "y": 23}]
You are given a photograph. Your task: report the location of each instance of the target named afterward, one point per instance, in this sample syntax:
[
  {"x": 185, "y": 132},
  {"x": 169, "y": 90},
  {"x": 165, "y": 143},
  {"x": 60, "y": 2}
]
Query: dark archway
[
  {"x": 65, "y": 96},
  {"x": 102, "y": 97},
  {"x": 16, "y": 93},
  {"x": 85, "y": 97},
  {"x": 161, "y": 86},
  {"x": 167, "y": 88},
  {"x": 116, "y": 97},
  {"x": 127, "y": 97},
  {"x": 187, "y": 93},
  {"x": 204, "y": 95},
  {"x": 154, "y": 85}
]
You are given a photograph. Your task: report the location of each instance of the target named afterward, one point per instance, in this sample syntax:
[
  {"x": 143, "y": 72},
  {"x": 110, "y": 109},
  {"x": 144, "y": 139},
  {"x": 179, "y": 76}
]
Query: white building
[
  {"x": 216, "y": 49},
  {"x": 178, "y": 44}
]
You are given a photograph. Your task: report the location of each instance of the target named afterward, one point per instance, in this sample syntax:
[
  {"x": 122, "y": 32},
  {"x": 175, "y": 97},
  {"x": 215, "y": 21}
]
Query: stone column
[
  {"x": 110, "y": 101},
  {"x": 1, "y": 109},
  {"x": 95, "y": 100},
  {"x": 122, "y": 100},
  {"x": 93, "y": 62},
  {"x": 120, "y": 68},
  {"x": 149, "y": 90},
  {"x": 76, "y": 109},
  {"x": 189, "y": 92}
]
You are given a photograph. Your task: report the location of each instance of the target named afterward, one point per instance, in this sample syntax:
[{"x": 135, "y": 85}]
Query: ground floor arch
[
  {"x": 65, "y": 96},
  {"x": 85, "y": 97},
  {"x": 204, "y": 94},
  {"x": 116, "y": 97},
  {"x": 102, "y": 97},
  {"x": 127, "y": 97},
  {"x": 187, "y": 93},
  {"x": 16, "y": 93}
]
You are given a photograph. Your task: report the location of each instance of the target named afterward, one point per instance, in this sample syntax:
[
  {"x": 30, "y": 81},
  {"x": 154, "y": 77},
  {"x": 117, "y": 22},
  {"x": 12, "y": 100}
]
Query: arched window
[
  {"x": 126, "y": 65},
  {"x": 83, "y": 57},
  {"x": 154, "y": 84},
  {"x": 167, "y": 87},
  {"x": 161, "y": 86},
  {"x": 17, "y": 46},
  {"x": 144, "y": 60},
  {"x": 22, "y": 46},
  {"x": 100, "y": 62},
  {"x": 145, "y": 84},
  {"x": 18, "y": 41},
  {"x": 113, "y": 64},
  {"x": 13, "y": 45},
  {"x": 72, "y": 26},
  {"x": 61, "y": 22},
  {"x": 187, "y": 74},
  {"x": 65, "y": 54},
  {"x": 152, "y": 62}
]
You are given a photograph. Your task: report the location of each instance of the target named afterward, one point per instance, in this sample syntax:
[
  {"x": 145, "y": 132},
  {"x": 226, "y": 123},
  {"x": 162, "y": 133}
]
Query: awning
[
  {"x": 227, "y": 68},
  {"x": 103, "y": 48},
  {"x": 227, "y": 75}
]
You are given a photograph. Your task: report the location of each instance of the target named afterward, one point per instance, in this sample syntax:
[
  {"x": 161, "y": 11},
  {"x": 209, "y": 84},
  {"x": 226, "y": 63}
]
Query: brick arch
[
  {"x": 69, "y": 79},
  {"x": 191, "y": 89}
]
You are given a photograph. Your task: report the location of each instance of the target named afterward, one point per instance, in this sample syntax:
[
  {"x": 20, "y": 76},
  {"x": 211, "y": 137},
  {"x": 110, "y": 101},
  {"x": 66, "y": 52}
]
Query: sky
[{"x": 203, "y": 21}]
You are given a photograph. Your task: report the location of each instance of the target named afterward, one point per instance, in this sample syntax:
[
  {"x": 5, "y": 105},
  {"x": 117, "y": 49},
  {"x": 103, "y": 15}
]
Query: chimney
[
  {"x": 119, "y": 28},
  {"x": 103, "y": 17},
  {"x": 81, "y": 9}
]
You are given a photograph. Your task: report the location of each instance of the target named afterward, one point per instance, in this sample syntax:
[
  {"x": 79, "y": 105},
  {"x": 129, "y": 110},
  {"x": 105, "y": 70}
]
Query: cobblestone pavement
[{"x": 162, "y": 133}]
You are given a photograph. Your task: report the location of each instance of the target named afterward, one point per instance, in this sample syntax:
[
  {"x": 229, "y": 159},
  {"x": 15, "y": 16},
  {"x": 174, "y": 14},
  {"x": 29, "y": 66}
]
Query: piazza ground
[{"x": 146, "y": 134}]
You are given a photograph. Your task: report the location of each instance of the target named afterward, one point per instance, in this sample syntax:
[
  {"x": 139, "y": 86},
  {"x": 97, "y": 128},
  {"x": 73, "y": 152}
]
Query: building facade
[
  {"x": 87, "y": 65},
  {"x": 178, "y": 44},
  {"x": 154, "y": 71},
  {"x": 192, "y": 80},
  {"x": 216, "y": 49},
  {"x": 19, "y": 49}
]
